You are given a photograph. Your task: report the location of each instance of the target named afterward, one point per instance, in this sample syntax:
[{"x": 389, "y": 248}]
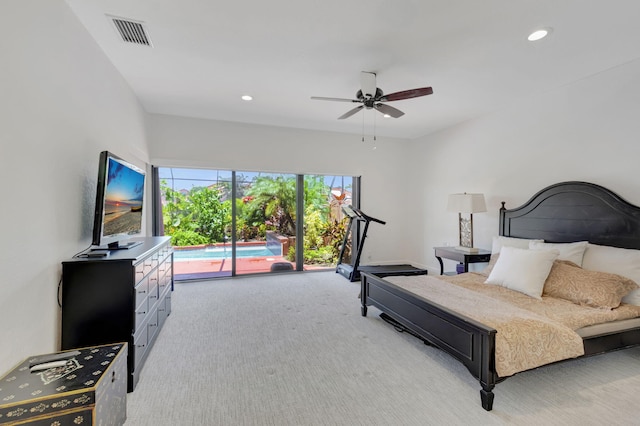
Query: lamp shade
[{"x": 466, "y": 203}]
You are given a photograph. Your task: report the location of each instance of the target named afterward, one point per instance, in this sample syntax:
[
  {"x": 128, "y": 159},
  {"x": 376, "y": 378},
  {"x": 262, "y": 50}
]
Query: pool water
[{"x": 222, "y": 253}]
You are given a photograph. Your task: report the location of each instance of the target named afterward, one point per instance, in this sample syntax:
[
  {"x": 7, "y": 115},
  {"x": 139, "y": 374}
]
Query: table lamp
[{"x": 466, "y": 204}]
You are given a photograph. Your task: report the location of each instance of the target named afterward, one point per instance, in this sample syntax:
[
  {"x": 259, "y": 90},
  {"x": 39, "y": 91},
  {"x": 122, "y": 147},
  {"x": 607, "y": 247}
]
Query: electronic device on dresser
[{"x": 119, "y": 201}]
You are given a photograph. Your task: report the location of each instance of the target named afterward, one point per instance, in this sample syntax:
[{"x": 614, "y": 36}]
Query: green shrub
[
  {"x": 291, "y": 255},
  {"x": 314, "y": 227},
  {"x": 187, "y": 238},
  {"x": 319, "y": 256},
  {"x": 322, "y": 255}
]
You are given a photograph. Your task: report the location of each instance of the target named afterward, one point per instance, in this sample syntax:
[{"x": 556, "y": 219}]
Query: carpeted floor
[{"x": 293, "y": 349}]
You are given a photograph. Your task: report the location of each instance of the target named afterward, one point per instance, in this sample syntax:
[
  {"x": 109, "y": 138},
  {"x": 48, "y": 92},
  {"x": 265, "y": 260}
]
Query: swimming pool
[{"x": 223, "y": 253}]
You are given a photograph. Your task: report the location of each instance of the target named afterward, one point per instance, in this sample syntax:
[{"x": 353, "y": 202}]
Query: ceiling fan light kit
[{"x": 372, "y": 97}]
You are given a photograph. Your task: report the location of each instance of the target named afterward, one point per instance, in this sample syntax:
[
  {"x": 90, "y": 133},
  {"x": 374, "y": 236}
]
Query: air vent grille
[{"x": 131, "y": 31}]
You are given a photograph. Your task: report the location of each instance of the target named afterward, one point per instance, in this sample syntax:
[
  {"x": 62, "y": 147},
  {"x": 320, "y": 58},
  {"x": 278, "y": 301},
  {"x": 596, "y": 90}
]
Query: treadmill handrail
[
  {"x": 349, "y": 211},
  {"x": 367, "y": 217}
]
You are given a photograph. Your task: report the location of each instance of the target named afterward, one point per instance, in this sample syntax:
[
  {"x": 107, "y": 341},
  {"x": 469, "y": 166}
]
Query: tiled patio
[{"x": 211, "y": 268}]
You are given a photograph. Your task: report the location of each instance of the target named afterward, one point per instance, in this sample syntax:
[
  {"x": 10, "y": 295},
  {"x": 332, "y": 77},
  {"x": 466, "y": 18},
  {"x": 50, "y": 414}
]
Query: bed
[{"x": 581, "y": 213}]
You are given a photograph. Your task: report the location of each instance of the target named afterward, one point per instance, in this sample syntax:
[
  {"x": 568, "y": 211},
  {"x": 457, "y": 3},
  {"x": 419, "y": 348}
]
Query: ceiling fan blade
[
  {"x": 350, "y": 112},
  {"x": 386, "y": 109},
  {"x": 407, "y": 94},
  {"x": 320, "y": 98},
  {"x": 368, "y": 84}
]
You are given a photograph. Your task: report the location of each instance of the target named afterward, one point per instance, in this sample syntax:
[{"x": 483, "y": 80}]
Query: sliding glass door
[
  {"x": 324, "y": 221},
  {"x": 225, "y": 223},
  {"x": 265, "y": 222},
  {"x": 196, "y": 213}
]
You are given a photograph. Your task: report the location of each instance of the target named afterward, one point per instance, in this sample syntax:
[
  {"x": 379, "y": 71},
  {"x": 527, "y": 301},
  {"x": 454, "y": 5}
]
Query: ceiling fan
[{"x": 370, "y": 96}]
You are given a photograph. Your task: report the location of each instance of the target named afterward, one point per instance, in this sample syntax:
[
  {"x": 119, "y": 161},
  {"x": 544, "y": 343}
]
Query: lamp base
[{"x": 468, "y": 249}]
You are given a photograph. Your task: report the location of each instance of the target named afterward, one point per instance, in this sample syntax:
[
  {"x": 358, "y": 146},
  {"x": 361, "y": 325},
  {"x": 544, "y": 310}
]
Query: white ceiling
[{"x": 474, "y": 54}]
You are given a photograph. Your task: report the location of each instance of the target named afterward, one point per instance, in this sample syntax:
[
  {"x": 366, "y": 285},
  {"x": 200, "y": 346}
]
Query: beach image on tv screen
[{"x": 123, "y": 200}]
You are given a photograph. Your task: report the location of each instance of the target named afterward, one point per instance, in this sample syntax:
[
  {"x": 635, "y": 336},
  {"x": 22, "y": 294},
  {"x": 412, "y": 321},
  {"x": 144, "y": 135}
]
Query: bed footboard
[{"x": 469, "y": 341}]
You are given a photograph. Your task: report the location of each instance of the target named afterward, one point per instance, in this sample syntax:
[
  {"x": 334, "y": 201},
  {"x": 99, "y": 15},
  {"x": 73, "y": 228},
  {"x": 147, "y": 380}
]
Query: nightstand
[{"x": 463, "y": 257}]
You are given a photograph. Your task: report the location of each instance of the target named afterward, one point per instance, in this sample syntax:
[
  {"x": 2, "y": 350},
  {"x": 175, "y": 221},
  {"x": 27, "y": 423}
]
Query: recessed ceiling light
[
  {"x": 247, "y": 98},
  {"x": 539, "y": 34}
]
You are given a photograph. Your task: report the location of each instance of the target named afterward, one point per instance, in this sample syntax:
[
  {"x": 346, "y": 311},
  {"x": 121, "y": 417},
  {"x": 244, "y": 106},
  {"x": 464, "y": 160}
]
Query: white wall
[
  {"x": 178, "y": 141},
  {"x": 61, "y": 103},
  {"x": 587, "y": 131}
]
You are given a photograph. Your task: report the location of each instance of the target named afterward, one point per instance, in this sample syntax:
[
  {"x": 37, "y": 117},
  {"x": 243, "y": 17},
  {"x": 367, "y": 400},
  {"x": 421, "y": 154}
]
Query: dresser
[
  {"x": 125, "y": 296},
  {"x": 89, "y": 387}
]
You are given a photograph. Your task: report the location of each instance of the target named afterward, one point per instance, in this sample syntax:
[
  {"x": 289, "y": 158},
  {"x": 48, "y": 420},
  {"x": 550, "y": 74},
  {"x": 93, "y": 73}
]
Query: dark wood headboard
[{"x": 575, "y": 211}]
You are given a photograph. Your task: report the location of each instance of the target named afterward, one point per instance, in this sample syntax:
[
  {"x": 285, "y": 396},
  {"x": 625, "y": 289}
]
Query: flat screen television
[{"x": 119, "y": 201}]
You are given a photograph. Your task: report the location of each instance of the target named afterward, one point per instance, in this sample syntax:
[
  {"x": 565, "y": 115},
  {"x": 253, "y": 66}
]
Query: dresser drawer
[
  {"x": 162, "y": 266},
  {"x": 141, "y": 292},
  {"x": 165, "y": 252},
  {"x": 140, "y": 315},
  {"x": 163, "y": 282},
  {"x": 164, "y": 309},
  {"x": 139, "y": 271},
  {"x": 167, "y": 303},
  {"x": 153, "y": 288},
  {"x": 140, "y": 343},
  {"x": 152, "y": 325},
  {"x": 151, "y": 263}
]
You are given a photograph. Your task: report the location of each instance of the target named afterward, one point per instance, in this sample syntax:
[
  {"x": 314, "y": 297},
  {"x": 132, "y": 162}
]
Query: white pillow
[
  {"x": 523, "y": 270},
  {"x": 573, "y": 252},
  {"x": 625, "y": 262},
  {"x": 499, "y": 242},
  {"x": 632, "y": 298}
]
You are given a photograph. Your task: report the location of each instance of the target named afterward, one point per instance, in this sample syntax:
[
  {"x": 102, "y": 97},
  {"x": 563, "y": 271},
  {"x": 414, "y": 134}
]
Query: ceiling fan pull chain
[
  {"x": 374, "y": 127},
  {"x": 374, "y": 132}
]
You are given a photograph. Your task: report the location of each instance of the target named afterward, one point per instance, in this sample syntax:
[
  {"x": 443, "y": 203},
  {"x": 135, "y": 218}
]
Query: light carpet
[{"x": 293, "y": 349}]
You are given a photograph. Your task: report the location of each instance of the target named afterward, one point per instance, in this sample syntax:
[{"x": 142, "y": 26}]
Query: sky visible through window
[{"x": 191, "y": 178}]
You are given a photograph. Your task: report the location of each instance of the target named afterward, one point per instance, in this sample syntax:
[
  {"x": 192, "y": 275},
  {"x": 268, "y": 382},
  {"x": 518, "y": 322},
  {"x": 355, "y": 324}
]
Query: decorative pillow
[
  {"x": 588, "y": 288},
  {"x": 523, "y": 270},
  {"x": 633, "y": 298},
  {"x": 500, "y": 241},
  {"x": 572, "y": 252},
  {"x": 625, "y": 262}
]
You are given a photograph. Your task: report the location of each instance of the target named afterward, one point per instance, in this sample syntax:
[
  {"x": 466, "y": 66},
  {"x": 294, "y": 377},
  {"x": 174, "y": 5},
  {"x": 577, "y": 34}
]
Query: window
[{"x": 225, "y": 223}]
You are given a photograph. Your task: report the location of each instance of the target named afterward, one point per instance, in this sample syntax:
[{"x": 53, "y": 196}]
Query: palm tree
[{"x": 276, "y": 197}]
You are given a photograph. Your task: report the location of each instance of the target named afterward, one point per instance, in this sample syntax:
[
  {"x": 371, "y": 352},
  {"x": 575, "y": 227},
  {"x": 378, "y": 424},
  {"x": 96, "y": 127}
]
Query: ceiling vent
[{"x": 131, "y": 31}]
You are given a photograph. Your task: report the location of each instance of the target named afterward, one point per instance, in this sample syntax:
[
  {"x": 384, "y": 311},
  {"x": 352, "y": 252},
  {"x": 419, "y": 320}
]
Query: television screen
[{"x": 119, "y": 201}]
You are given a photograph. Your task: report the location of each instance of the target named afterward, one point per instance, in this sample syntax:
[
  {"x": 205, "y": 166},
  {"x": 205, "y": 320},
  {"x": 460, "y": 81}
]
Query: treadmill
[{"x": 352, "y": 271}]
